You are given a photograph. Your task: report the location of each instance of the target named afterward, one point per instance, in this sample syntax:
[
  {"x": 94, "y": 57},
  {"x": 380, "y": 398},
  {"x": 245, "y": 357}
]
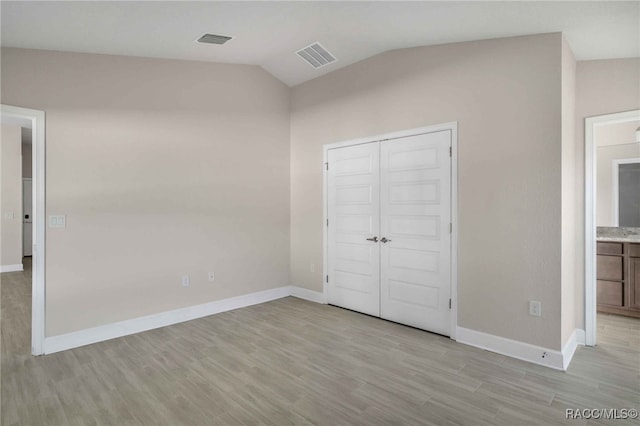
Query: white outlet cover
[
  {"x": 535, "y": 308},
  {"x": 57, "y": 221},
  {"x": 185, "y": 281},
  {"x": 212, "y": 276}
]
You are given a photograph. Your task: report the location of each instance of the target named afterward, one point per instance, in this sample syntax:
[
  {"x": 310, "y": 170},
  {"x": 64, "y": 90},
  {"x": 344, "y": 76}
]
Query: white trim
[
  {"x": 12, "y": 268},
  {"x": 325, "y": 218},
  {"x": 123, "y": 328},
  {"x": 512, "y": 348},
  {"x": 306, "y": 294},
  {"x": 590, "y": 124},
  {"x": 454, "y": 231},
  {"x": 569, "y": 349},
  {"x": 615, "y": 172},
  {"x": 38, "y": 176},
  {"x": 453, "y": 128}
]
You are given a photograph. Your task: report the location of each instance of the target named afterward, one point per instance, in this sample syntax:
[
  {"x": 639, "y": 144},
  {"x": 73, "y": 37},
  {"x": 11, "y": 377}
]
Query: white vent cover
[
  {"x": 213, "y": 39},
  {"x": 316, "y": 55}
]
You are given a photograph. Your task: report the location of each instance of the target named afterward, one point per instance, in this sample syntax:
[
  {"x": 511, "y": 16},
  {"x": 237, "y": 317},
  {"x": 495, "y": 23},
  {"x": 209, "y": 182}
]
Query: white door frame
[
  {"x": 37, "y": 119},
  {"x": 590, "y": 307},
  {"x": 615, "y": 172},
  {"x": 453, "y": 127}
]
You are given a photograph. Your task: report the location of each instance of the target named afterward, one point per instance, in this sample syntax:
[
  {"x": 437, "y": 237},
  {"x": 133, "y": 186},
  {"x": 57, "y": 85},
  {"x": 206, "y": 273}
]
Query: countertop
[{"x": 624, "y": 235}]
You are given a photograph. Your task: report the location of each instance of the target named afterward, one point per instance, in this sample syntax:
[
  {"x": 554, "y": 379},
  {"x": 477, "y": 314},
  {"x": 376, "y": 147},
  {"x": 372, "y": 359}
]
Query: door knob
[
  {"x": 374, "y": 239},
  {"x": 384, "y": 240}
]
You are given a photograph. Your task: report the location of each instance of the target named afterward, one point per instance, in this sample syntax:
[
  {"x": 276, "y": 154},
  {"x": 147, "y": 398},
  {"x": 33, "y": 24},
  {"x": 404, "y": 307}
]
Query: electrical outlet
[
  {"x": 535, "y": 308},
  {"x": 185, "y": 281},
  {"x": 312, "y": 267},
  {"x": 57, "y": 221},
  {"x": 212, "y": 276}
]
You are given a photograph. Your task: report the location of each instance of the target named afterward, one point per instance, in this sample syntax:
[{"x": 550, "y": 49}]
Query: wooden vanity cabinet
[
  {"x": 634, "y": 282},
  {"x": 618, "y": 277}
]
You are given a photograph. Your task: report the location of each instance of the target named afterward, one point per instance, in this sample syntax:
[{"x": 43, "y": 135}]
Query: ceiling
[{"x": 269, "y": 33}]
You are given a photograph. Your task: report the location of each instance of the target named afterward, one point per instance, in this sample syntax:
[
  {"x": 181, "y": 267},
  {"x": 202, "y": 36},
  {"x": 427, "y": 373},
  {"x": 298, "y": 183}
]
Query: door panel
[
  {"x": 354, "y": 215},
  {"x": 415, "y": 210}
]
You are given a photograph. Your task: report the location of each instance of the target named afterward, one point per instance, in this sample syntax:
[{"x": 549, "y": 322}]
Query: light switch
[{"x": 57, "y": 221}]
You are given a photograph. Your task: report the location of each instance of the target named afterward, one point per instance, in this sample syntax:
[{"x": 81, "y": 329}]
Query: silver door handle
[
  {"x": 374, "y": 239},
  {"x": 384, "y": 240}
]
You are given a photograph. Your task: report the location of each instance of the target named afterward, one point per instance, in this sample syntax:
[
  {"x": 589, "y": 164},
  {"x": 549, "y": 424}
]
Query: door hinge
[
  {"x": 450, "y": 227},
  {"x": 327, "y": 222},
  {"x": 450, "y": 151},
  {"x": 449, "y": 303},
  {"x": 326, "y": 165},
  {"x": 327, "y": 278}
]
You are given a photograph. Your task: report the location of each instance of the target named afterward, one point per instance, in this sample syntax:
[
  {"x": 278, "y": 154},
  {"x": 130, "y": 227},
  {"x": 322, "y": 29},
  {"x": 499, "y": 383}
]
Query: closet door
[
  {"x": 415, "y": 205},
  {"x": 354, "y": 223}
]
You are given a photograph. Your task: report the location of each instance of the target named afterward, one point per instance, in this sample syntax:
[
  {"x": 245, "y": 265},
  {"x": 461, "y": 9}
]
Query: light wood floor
[{"x": 296, "y": 362}]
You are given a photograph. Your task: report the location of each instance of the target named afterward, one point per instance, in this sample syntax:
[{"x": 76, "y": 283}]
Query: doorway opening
[
  {"x": 612, "y": 248},
  {"x": 33, "y": 121}
]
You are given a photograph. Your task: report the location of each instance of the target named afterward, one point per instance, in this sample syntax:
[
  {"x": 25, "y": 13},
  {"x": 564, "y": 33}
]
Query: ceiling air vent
[
  {"x": 316, "y": 55},
  {"x": 213, "y": 39}
]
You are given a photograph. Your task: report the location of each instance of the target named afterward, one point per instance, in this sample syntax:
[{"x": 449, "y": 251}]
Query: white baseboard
[
  {"x": 550, "y": 358},
  {"x": 569, "y": 348},
  {"x": 512, "y": 348},
  {"x": 306, "y": 294},
  {"x": 111, "y": 331},
  {"x": 12, "y": 268}
]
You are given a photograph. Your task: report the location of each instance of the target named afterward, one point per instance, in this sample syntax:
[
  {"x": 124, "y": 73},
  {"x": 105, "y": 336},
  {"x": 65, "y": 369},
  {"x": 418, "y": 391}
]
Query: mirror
[{"x": 617, "y": 175}]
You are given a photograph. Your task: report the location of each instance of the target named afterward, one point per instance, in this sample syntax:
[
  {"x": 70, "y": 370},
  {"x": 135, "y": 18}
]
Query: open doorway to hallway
[
  {"x": 22, "y": 158},
  {"x": 614, "y": 232},
  {"x": 16, "y": 234}
]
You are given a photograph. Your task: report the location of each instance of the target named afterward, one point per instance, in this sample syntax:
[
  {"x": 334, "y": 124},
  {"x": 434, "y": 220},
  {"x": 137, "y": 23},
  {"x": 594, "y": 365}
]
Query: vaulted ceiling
[{"x": 268, "y": 33}]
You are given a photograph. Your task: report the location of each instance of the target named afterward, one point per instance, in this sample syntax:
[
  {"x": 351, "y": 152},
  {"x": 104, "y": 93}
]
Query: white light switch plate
[{"x": 57, "y": 221}]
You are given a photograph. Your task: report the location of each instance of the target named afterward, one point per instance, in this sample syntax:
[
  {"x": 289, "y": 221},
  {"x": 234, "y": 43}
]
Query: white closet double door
[{"x": 389, "y": 241}]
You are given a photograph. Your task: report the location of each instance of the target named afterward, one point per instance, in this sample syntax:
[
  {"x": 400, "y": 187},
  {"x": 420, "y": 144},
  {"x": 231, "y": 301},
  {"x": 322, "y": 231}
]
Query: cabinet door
[
  {"x": 353, "y": 202},
  {"x": 634, "y": 282},
  {"x": 415, "y": 205},
  {"x": 610, "y": 268},
  {"x": 611, "y": 293}
]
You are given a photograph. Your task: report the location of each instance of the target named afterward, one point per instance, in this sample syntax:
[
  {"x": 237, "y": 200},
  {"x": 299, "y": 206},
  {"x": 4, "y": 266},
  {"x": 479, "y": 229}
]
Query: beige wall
[
  {"x": 11, "y": 176},
  {"x": 163, "y": 168},
  {"x": 505, "y": 95},
  {"x": 602, "y": 87},
  {"x": 572, "y": 185},
  {"x": 616, "y": 133}
]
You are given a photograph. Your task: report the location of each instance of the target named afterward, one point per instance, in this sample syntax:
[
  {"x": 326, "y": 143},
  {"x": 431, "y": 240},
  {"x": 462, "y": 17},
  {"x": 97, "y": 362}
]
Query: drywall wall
[
  {"x": 604, "y": 178},
  {"x": 572, "y": 184},
  {"x": 163, "y": 168},
  {"x": 11, "y": 176},
  {"x": 505, "y": 96},
  {"x": 602, "y": 87},
  {"x": 616, "y": 133}
]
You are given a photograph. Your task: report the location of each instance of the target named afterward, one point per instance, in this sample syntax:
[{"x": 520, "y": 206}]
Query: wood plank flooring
[{"x": 292, "y": 362}]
